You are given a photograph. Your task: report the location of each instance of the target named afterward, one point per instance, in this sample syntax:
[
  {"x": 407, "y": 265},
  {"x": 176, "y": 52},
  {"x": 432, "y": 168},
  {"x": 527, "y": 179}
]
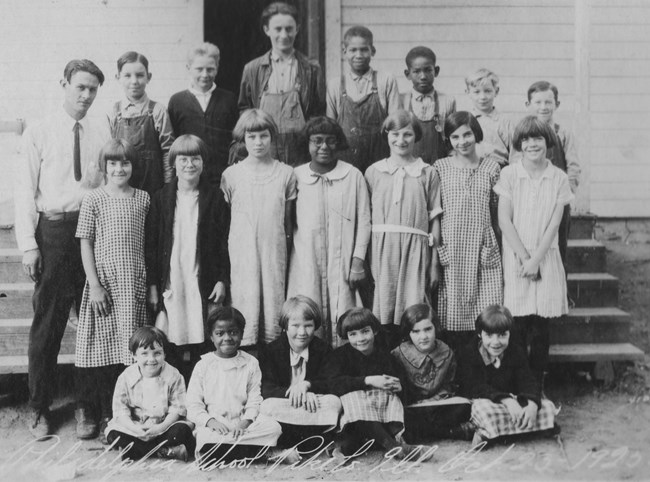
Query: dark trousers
[
  {"x": 177, "y": 434},
  {"x": 533, "y": 333},
  {"x": 296, "y": 435},
  {"x": 427, "y": 423},
  {"x": 356, "y": 434},
  {"x": 95, "y": 387},
  {"x": 60, "y": 285}
]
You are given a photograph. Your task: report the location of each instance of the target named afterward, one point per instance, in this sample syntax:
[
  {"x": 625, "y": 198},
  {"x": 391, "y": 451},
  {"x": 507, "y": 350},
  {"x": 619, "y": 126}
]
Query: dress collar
[
  {"x": 307, "y": 176},
  {"x": 133, "y": 375},
  {"x": 489, "y": 359},
  {"x": 295, "y": 357},
  {"x": 239, "y": 360},
  {"x": 419, "y": 96},
  {"x": 522, "y": 172},
  {"x": 126, "y": 103},
  {"x": 367, "y": 76},
  {"x": 414, "y": 169}
]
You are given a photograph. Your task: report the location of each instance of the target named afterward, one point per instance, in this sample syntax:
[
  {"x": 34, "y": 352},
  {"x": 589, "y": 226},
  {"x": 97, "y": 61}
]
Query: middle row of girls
[{"x": 191, "y": 259}]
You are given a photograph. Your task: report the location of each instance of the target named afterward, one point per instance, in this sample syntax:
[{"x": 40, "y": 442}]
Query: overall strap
[
  {"x": 374, "y": 82},
  {"x": 343, "y": 92},
  {"x": 150, "y": 107}
]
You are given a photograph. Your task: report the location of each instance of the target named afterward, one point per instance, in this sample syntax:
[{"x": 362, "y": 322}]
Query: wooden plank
[
  {"x": 626, "y": 191},
  {"x": 620, "y": 153},
  {"x": 628, "y": 50},
  {"x": 589, "y": 352},
  {"x": 620, "y": 171},
  {"x": 622, "y": 33},
  {"x": 620, "y": 208},
  {"x": 481, "y": 53},
  {"x": 465, "y": 3},
  {"x": 621, "y": 102},
  {"x": 622, "y": 67},
  {"x": 460, "y": 16},
  {"x": 621, "y": 15},
  {"x": 436, "y": 32},
  {"x": 18, "y": 363}
]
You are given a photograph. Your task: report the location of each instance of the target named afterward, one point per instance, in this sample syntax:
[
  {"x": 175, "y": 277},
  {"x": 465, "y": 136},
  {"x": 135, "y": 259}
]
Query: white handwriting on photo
[{"x": 39, "y": 457}]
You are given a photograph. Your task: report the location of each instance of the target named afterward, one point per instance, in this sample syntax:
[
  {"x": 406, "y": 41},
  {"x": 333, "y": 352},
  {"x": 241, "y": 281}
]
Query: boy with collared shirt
[
  {"x": 361, "y": 99},
  {"x": 482, "y": 89},
  {"x": 429, "y": 106},
  {"x": 543, "y": 102},
  {"x": 205, "y": 110},
  {"x": 61, "y": 166}
]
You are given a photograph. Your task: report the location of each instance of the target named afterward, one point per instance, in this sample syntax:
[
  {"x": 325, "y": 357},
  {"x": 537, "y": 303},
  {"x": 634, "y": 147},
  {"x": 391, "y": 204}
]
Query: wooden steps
[
  {"x": 595, "y": 330},
  {"x": 595, "y": 352}
]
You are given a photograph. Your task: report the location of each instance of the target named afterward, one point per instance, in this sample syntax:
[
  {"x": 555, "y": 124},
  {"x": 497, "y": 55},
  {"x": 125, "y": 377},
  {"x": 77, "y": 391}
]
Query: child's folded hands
[{"x": 217, "y": 426}]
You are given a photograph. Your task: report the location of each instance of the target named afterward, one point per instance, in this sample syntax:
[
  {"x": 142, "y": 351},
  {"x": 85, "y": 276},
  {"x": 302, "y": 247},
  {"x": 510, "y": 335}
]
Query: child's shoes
[
  {"x": 289, "y": 456},
  {"x": 464, "y": 431},
  {"x": 86, "y": 425},
  {"x": 178, "y": 452},
  {"x": 420, "y": 453},
  {"x": 102, "y": 430}
]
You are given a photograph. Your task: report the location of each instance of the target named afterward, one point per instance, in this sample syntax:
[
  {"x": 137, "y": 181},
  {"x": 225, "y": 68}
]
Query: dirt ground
[{"x": 605, "y": 429}]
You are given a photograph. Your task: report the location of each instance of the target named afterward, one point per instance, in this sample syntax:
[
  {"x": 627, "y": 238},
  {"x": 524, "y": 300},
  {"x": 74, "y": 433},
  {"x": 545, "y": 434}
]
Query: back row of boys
[{"x": 361, "y": 99}]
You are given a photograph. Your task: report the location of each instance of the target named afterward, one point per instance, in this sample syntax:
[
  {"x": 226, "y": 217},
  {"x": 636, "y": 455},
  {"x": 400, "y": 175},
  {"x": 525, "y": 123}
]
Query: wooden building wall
[{"x": 595, "y": 51}]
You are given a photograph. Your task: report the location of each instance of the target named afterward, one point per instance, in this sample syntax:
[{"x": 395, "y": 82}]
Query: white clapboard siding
[
  {"x": 39, "y": 37},
  {"x": 597, "y": 52},
  {"x": 619, "y": 73}
]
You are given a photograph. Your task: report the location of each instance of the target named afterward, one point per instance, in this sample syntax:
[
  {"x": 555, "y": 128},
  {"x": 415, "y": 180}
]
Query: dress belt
[
  {"x": 396, "y": 228},
  {"x": 59, "y": 216}
]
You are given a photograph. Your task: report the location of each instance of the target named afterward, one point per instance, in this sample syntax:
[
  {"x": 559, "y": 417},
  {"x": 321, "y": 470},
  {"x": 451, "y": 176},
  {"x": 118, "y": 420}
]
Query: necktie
[{"x": 77, "y": 153}]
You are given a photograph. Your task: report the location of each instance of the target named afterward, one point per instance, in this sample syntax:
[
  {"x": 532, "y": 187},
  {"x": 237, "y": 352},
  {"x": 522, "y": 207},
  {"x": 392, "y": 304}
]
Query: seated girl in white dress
[{"x": 224, "y": 396}]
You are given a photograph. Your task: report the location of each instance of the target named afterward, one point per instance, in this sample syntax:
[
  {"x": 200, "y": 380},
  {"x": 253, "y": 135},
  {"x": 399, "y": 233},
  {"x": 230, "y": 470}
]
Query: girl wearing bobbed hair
[
  {"x": 468, "y": 253},
  {"x": 493, "y": 371},
  {"x": 291, "y": 386}
]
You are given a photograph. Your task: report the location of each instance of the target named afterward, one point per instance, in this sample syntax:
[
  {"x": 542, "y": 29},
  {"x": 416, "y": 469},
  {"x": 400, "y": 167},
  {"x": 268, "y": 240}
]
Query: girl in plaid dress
[
  {"x": 493, "y": 371},
  {"x": 111, "y": 231},
  {"x": 404, "y": 201},
  {"x": 367, "y": 379},
  {"x": 469, "y": 254}
]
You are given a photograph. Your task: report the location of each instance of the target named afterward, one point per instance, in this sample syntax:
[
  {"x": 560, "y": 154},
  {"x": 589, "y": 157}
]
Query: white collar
[
  {"x": 307, "y": 176},
  {"x": 414, "y": 169},
  {"x": 198, "y": 93}
]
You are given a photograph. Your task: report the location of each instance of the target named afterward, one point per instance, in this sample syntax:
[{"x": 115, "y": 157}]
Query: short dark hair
[
  {"x": 82, "y": 65},
  {"x": 542, "y": 86},
  {"x": 358, "y": 31},
  {"x": 325, "y": 125},
  {"x": 414, "y": 314},
  {"x": 254, "y": 120},
  {"x": 279, "y": 8},
  {"x": 188, "y": 145},
  {"x": 531, "y": 126},
  {"x": 118, "y": 150},
  {"x": 303, "y": 306},
  {"x": 132, "y": 57},
  {"x": 356, "y": 319},
  {"x": 420, "y": 51},
  {"x": 225, "y": 313},
  {"x": 146, "y": 337},
  {"x": 495, "y": 319},
  {"x": 459, "y": 119},
  {"x": 399, "y": 120}
]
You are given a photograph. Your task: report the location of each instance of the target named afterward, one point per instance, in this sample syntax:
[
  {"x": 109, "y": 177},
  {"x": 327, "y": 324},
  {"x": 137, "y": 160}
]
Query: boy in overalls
[
  {"x": 429, "y": 106},
  {"x": 361, "y": 99},
  {"x": 283, "y": 83}
]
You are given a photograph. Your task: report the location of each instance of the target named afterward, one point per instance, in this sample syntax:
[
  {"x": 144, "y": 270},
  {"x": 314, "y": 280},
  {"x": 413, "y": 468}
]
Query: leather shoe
[
  {"x": 86, "y": 425},
  {"x": 38, "y": 423},
  {"x": 178, "y": 452}
]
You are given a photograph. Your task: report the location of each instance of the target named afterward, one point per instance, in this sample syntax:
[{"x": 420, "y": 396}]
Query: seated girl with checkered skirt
[
  {"x": 429, "y": 365},
  {"x": 494, "y": 373},
  {"x": 290, "y": 384},
  {"x": 367, "y": 379}
]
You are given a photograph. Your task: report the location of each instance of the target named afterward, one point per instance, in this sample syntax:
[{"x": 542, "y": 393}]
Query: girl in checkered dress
[
  {"x": 468, "y": 253},
  {"x": 111, "y": 231},
  {"x": 494, "y": 372},
  {"x": 367, "y": 380}
]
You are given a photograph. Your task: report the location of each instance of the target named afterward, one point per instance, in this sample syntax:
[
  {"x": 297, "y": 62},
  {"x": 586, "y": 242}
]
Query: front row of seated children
[{"x": 306, "y": 390}]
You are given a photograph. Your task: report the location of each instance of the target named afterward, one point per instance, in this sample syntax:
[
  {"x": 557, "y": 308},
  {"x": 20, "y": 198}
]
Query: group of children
[{"x": 430, "y": 208}]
